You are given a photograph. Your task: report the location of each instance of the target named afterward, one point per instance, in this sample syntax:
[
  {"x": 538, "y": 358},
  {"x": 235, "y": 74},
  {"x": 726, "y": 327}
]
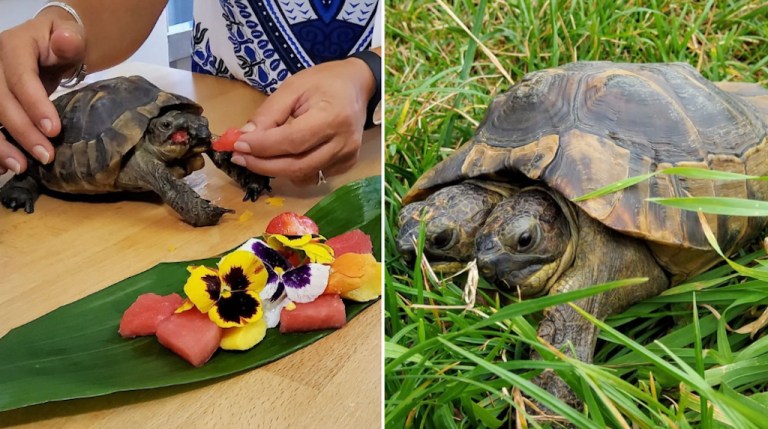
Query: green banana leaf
[{"x": 75, "y": 351}]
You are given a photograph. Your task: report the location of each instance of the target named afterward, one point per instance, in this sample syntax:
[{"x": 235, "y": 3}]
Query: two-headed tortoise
[
  {"x": 126, "y": 134},
  {"x": 561, "y": 133}
]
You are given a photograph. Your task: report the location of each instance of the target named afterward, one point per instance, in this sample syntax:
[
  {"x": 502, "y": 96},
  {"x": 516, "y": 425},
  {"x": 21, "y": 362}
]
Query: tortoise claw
[
  {"x": 16, "y": 198},
  {"x": 210, "y": 214},
  {"x": 254, "y": 190}
]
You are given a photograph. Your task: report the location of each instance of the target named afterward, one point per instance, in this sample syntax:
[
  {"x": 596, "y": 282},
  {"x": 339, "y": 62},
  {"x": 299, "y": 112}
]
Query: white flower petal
[
  {"x": 272, "y": 310},
  {"x": 307, "y": 282}
]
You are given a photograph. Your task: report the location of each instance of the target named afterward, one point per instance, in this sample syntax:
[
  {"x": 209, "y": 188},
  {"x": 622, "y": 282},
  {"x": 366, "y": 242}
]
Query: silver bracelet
[{"x": 81, "y": 71}]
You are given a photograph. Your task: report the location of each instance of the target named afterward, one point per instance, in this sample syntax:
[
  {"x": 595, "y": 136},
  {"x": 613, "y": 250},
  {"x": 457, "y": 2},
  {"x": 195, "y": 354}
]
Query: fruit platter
[{"x": 293, "y": 278}]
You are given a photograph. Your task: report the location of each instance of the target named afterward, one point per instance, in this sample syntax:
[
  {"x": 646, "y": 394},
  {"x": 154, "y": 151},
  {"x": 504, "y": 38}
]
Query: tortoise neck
[{"x": 569, "y": 211}]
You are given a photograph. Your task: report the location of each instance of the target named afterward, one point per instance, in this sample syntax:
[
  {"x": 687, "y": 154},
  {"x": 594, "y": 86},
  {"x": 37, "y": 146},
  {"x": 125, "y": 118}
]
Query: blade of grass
[
  {"x": 518, "y": 309},
  {"x": 533, "y": 390},
  {"x": 491, "y": 56},
  {"x": 688, "y": 172},
  {"x": 716, "y": 205}
]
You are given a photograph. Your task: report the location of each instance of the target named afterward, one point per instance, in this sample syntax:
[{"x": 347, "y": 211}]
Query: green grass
[{"x": 671, "y": 361}]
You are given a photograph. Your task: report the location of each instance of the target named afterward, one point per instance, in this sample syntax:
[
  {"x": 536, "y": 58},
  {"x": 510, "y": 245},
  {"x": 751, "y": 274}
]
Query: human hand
[
  {"x": 313, "y": 122},
  {"x": 33, "y": 58}
]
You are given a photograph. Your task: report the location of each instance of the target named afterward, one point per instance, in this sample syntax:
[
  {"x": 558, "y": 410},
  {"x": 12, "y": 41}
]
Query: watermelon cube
[
  {"x": 325, "y": 312},
  {"x": 191, "y": 335},
  {"x": 355, "y": 241},
  {"x": 142, "y": 317}
]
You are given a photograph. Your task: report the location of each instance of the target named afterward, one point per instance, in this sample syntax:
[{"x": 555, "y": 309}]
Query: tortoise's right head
[
  {"x": 452, "y": 217},
  {"x": 178, "y": 133},
  {"x": 526, "y": 243}
]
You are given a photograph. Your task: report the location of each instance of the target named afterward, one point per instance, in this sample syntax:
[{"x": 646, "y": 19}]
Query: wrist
[
  {"x": 54, "y": 14},
  {"x": 372, "y": 88},
  {"x": 366, "y": 82},
  {"x": 51, "y": 14}
]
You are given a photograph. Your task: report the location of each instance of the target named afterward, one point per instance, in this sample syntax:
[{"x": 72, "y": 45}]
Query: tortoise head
[
  {"x": 177, "y": 133},
  {"x": 526, "y": 242},
  {"x": 452, "y": 217}
]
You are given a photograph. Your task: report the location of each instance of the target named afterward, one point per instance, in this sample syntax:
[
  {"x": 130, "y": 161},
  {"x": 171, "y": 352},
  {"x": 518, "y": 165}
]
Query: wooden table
[{"x": 69, "y": 249}]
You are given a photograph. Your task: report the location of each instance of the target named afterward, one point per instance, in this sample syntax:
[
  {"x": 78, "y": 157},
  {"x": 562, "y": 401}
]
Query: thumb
[{"x": 67, "y": 46}]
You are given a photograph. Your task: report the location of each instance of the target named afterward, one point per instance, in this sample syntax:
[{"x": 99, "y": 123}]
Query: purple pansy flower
[{"x": 284, "y": 282}]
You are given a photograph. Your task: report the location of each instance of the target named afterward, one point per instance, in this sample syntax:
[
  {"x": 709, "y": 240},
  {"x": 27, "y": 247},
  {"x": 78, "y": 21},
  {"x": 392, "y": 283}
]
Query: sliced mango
[{"x": 355, "y": 276}]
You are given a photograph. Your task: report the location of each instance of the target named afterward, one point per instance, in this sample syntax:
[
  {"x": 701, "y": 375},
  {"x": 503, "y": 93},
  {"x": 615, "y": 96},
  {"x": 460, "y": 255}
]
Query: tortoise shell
[
  {"x": 585, "y": 125},
  {"x": 102, "y": 123}
]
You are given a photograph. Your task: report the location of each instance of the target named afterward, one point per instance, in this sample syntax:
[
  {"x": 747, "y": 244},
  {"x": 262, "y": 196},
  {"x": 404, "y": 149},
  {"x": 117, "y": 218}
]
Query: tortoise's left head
[
  {"x": 452, "y": 216},
  {"x": 177, "y": 133},
  {"x": 524, "y": 242}
]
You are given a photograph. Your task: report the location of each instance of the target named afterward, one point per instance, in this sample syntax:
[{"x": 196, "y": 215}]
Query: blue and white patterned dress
[{"x": 262, "y": 42}]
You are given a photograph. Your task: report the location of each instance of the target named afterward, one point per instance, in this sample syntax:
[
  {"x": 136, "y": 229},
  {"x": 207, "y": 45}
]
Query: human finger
[
  {"x": 332, "y": 155},
  {"x": 65, "y": 53},
  {"x": 63, "y": 50},
  {"x": 28, "y": 90},
  {"x": 21, "y": 128},
  {"x": 9, "y": 156},
  {"x": 293, "y": 138},
  {"x": 67, "y": 44}
]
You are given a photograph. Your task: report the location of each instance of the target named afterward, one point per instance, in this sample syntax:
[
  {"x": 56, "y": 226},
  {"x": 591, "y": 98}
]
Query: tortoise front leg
[
  {"x": 253, "y": 184},
  {"x": 147, "y": 173},
  {"x": 21, "y": 191},
  {"x": 620, "y": 257}
]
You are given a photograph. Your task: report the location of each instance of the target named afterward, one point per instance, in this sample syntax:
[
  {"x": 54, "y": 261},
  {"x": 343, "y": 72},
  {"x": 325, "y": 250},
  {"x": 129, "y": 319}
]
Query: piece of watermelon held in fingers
[{"x": 226, "y": 142}]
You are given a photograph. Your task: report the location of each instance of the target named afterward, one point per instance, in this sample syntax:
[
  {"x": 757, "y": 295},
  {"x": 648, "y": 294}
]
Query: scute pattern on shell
[
  {"x": 101, "y": 123},
  {"x": 585, "y": 125}
]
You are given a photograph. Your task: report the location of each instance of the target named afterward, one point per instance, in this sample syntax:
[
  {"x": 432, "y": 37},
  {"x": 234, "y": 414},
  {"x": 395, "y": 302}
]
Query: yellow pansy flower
[
  {"x": 229, "y": 293},
  {"x": 307, "y": 244}
]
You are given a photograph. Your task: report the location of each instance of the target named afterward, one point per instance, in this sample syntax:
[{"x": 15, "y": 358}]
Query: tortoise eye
[
  {"x": 524, "y": 240},
  {"x": 443, "y": 239},
  {"x": 165, "y": 125}
]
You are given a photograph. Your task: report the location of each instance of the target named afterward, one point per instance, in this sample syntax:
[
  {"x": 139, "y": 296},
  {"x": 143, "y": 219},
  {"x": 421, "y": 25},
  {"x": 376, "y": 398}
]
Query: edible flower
[
  {"x": 229, "y": 293},
  {"x": 307, "y": 244},
  {"x": 244, "y": 337},
  {"x": 286, "y": 284}
]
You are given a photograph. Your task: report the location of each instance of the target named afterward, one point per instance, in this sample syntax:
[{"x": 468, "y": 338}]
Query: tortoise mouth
[
  {"x": 531, "y": 275},
  {"x": 443, "y": 266},
  {"x": 538, "y": 282},
  {"x": 179, "y": 137}
]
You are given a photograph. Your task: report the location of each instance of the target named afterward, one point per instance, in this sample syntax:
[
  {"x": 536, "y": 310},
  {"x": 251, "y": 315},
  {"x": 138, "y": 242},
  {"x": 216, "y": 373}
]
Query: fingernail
[
  {"x": 236, "y": 159},
  {"x": 242, "y": 147},
  {"x": 248, "y": 127},
  {"x": 13, "y": 165},
  {"x": 46, "y": 125},
  {"x": 41, "y": 154}
]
